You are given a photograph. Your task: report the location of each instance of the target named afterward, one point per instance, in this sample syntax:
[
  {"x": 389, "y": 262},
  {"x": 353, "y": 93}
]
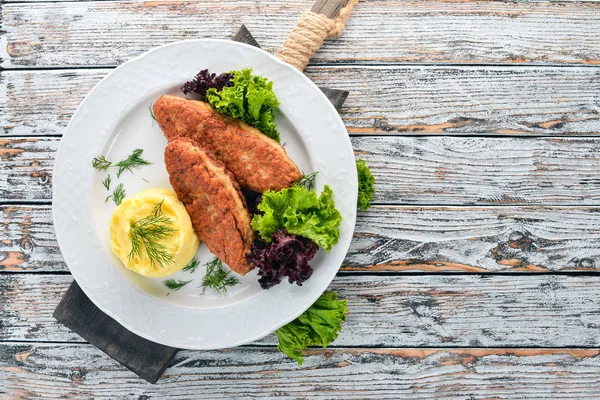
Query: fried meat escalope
[
  {"x": 257, "y": 161},
  {"x": 213, "y": 200}
]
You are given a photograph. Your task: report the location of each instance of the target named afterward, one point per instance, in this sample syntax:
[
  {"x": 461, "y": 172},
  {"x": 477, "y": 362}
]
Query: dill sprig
[
  {"x": 134, "y": 160},
  {"x": 172, "y": 284},
  {"x": 106, "y": 182},
  {"x": 191, "y": 267},
  {"x": 147, "y": 233},
  {"x": 308, "y": 181},
  {"x": 101, "y": 163},
  {"x": 151, "y": 111},
  {"x": 217, "y": 278},
  {"x": 118, "y": 194}
]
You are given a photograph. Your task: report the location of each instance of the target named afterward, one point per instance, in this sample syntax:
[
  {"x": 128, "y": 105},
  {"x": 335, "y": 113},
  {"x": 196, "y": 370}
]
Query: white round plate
[{"x": 113, "y": 120}]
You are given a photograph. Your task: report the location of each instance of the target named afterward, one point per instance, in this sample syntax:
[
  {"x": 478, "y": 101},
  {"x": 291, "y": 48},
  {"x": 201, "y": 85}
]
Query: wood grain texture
[
  {"x": 475, "y": 239},
  {"x": 329, "y": 8},
  {"x": 243, "y": 35},
  {"x": 505, "y": 178},
  {"x": 28, "y": 241},
  {"x": 456, "y": 170},
  {"x": 49, "y": 370},
  {"x": 408, "y": 170},
  {"x": 336, "y": 96},
  {"x": 387, "y": 239},
  {"x": 109, "y": 33},
  {"x": 389, "y": 311},
  {"x": 37, "y": 105},
  {"x": 383, "y": 100},
  {"x": 26, "y": 165}
]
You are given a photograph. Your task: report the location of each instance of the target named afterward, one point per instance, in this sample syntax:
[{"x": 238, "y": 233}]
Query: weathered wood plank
[
  {"x": 329, "y": 8},
  {"x": 109, "y": 33},
  {"x": 243, "y": 35},
  {"x": 37, "y": 105},
  {"x": 308, "y": 2},
  {"x": 456, "y": 170},
  {"x": 408, "y": 170},
  {"x": 26, "y": 165},
  {"x": 387, "y": 238},
  {"x": 28, "y": 241},
  {"x": 475, "y": 239},
  {"x": 400, "y": 99},
  {"x": 435, "y": 310},
  {"x": 50, "y": 370}
]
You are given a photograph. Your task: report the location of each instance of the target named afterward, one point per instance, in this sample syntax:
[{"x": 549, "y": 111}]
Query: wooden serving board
[{"x": 74, "y": 34}]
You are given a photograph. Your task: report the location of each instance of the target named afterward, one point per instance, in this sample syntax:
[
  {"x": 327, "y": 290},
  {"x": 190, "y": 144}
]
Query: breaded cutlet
[
  {"x": 213, "y": 200},
  {"x": 257, "y": 161}
]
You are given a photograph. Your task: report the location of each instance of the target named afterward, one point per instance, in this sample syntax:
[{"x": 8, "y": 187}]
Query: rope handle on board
[{"x": 310, "y": 33}]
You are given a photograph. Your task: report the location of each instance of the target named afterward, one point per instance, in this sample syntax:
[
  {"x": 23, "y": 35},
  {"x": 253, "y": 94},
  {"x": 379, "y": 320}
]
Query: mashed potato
[{"x": 182, "y": 244}]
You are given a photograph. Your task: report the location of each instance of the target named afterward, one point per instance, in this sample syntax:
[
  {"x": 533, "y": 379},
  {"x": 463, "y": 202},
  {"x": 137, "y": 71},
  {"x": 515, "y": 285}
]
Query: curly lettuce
[
  {"x": 300, "y": 212},
  {"x": 366, "y": 185},
  {"x": 249, "y": 98},
  {"x": 286, "y": 256},
  {"x": 317, "y": 326}
]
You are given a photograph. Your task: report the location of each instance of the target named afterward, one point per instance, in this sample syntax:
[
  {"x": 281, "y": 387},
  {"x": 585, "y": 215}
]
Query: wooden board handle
[
  {"x": 313, "y": 28},
  {"x": 328, "y": 8},
  {"x": 336, "y": 96}
]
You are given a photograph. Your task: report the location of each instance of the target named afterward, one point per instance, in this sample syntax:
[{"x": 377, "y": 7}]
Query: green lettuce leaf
[
  {"x": 300, "y": 212},
  {"x": 250, "y": 99},
  {"x": 366, "y": 185},
  {"x": 317, "y": 326}
]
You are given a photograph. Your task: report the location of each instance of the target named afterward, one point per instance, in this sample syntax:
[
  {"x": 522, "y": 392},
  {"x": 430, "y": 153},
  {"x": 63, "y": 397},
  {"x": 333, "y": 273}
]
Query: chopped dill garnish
[
  {"x": 118, "y": 194},
  {"x": 172, "y": 284},
  {"x": 151, "y": 111},
  {"x": 134, "y": 160},
  {"x": 145, "y": 180},
  {"x": 147, "y": 233},
  {"x": 191, "y": 267},
  {"x": 106, "y": 182},
  {"x": 101, "y": 163},
  {"x": 107, "y": 198},
  {"x": 217, "y": 278},
  {"x": 308, "y": 181}
]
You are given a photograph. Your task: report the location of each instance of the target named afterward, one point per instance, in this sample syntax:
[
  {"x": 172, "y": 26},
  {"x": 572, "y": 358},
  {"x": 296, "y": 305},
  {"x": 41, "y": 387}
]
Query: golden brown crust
[
  {"x": 213, "y": 200},
  {"x": 257, "y": 161}
]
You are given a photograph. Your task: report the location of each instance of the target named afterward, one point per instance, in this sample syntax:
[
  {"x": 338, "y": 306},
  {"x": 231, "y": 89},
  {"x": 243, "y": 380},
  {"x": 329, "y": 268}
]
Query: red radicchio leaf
[
  {"x": 286, "y": 255},
  {"x": 204, "y": 80}
]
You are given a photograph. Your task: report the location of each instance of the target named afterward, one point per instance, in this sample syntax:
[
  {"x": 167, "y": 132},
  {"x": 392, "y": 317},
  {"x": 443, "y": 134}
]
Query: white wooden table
[{"x": 476, "y": 275}]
